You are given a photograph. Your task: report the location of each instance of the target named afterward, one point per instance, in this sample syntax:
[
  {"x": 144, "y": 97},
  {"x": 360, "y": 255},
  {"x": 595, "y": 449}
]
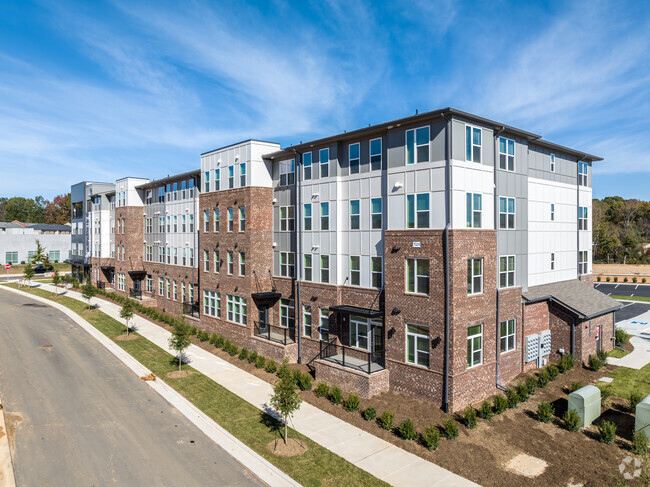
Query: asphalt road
[
  {"x": 84, "y": 419},
  {"x": 624, "y": 289}
]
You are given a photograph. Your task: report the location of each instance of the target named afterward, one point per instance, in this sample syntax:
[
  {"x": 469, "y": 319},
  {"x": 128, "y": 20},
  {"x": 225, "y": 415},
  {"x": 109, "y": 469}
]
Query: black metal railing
[
  {"x": 192, "y": 309},
  {"x": 277, "y": 334},
  {"x": 135, "y": 293},
  {"x": 351, "y": 357}
]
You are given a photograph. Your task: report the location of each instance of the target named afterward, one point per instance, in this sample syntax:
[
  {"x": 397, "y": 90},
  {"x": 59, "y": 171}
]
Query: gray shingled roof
[
  {"x": 48, "y": 227},
  {"x": 576, "y": 296}
]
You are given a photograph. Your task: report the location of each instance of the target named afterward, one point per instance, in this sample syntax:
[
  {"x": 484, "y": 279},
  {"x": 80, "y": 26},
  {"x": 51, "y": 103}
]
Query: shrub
[
  {"x": 406, "y": 430},
  {"x": 351, "y": 403},
  {"x": 607, "y": 431},
  {"x": 271, "y": 366},
  {"x": 193, "y": 331},
  {"x": 522, "y": 391},
  {"x": 243, "y": 354},
  {"x": 322, "y": 390},
  {"x": 595, "y": 363},
  {"x": 369, "y": 413},
  {"x": 571, "y": 420},
  {"x": 203, "y": 335},
  {"x": 643, "y": 280},
  {"x": 226, "y": 345},
  {"x": 621, "y": 337},
  {"x": 575, "y": 386},
  {"x": 552, "y": 371},
  {"x": 513, "y": 398},
  {"x": 450, "y": 429},
  {"x": 336, "y": 395},
  {"x": 566, "y": 363},
  {"x": 608, "y": 279},
  {"x": 616, "y": 279},
  {"x": 469, "y": 416},
  {"x": 295, "y": 374},
  {"x": 543, "y": 378},
  {"x": 640, "y": 443},
  {"x": 219, "y": 342},
  {"x": 431, "y": 437},
  {"x": 598, "y": 278},
  {"x": 500, "y": 404},
  {"x": 304, "y": 382},
  {"x": 213, "y": 338},
  {"x": 545, "y": 412},
  {"x": 634, "y": 399},
  {"x": 602, "y": 356},
  {"x": 234, "y": 350},
  {"x": 252, "y": 357},
  {"x": 485, "y": 411},
  {"x": 531, "y": 385},
  {"x": 260, "y": 362},
  {"x": 386, "y": 420},
  {"x": 634, "y": 279},
  {"x": 625, "y": 279}
]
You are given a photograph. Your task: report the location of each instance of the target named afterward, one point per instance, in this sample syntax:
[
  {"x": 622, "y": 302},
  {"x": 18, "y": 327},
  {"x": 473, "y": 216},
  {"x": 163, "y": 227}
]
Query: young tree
[
  {"x": 29, "y": 272},
  {"x": 40, "y": 255},
  {"x": 126, "y": 313},
  {"x": 88, "y": 291},
  {"x": 56, "y": 280},
  {"x": 180, "y": 339},
  {"x": 285, "y": 400}
]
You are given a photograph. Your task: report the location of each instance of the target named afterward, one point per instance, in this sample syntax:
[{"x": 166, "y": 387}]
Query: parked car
[{"x": 42, "y": 268}]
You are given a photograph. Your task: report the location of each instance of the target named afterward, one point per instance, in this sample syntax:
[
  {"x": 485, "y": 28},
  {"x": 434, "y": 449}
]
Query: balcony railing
[
  {"x": 192, "y": 309},
  {"x": 277, "y": 334},
  {"x": 353, "y": 358},
  {"x": 135, "y": 293}
]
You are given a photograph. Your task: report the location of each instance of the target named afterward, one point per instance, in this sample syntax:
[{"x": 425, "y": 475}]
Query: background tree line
[
  {"x": 36, "y": 210},
  {"x": 620, "y": 229}
]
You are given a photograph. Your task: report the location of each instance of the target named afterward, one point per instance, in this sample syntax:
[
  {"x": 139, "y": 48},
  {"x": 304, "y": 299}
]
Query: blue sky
[{"x": 99, "y": 90}]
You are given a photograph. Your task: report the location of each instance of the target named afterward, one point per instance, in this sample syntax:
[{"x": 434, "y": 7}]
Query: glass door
[
  {"x": 263, "y": 319},
  {"x": 359, "y": 333}
]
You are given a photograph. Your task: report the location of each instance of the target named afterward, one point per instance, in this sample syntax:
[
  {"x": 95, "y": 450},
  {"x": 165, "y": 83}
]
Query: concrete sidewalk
[
  {"x": 639, "y": 328},
  {"x": 7, "y": 478},
  {"x": 374, "y": 455}
]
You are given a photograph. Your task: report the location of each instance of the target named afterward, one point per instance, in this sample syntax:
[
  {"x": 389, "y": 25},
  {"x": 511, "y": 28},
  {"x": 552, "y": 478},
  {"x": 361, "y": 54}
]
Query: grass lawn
[
  {"x": 627, "y": 381},
  {"x": 318, "y": 466},
  {"x": 631, "y": 298},
  {"x": 616, "y": 353}
]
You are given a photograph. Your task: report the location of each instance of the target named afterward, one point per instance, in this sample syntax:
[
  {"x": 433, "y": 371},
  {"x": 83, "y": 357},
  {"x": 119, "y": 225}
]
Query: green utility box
[
  {"x": 586, "y": 402},
  {"x": 642, "y": 421}
]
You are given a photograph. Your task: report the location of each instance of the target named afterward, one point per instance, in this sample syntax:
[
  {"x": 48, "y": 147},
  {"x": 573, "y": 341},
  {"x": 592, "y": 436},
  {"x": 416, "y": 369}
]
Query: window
[
  {"x": 582, "y": 173},
  {"x": 582, "y": 262},
  {"x": 354, "y": 158},
  {"x": 474, "y": 345},
  {"x": 169, "y": 226},
  {"x": 161, "y": 286},
  {"x": 191, "y": 257},
  {"x": 121, "y": 282},
  {"x": 472, "y": 144},
  {"x": 231, "y": 177},
  {"x": 306, "y": 320},
  {"x": 306, "y": 162},
  {"x": 474, "y": 210},
  {"x": 206, "y": 220},
  {"x": 231, "y": 224},
  {"x": 324, "y": 216},
  {"x": 175, "y": 223},
  {"x": 216, "y": 261},
  {"x": 375, "y": 213},
  {"x": 354, "y": 215},
  {"x": 287, "y": 218},
  {"x": 230, "y": 263},
  {"x": 242, "y": 263},
  {"x": 236, "y": 309},
  {"x": 211, "y": 303},
  {"x": 148, "y": 253},
  {"x": 183, "y": 223},
  {"x": 206, "y": 180},
  {"x": 359, "y": 332},
  {"x": 175, "y": 290},
  {"x": 148, "y": 225},
  {"x": 161, "y": 224},
  {"x": 375, "y": 154},
  {"x": 325, "y": 268},
  {"x": 287, "y": 172},
  {"x": 307, "y": 216},
  {"x": 190, "y": 288},
  {"x": 242, "y": 174},
  {"x": 376, "y": 272},
  {"x": 307, "y": 267},
  {"x": 417, "y": 345},
  {"x": 175, "y": 255},
  {"x": 55, "y": 255},
  {"x": 324, "y": 324},
  {"x": 417, "y": 276},
  {"x": 417, "y": 210},
  {"x": 217, "y": 179},
  {"x": 507, "y": 271},
  {"x": 552, "y": 162},
  {"x": 507, "y": 335},
  {"x": 216, "y": 220},
  {"x": 148, "y": 284},
  {"x": 286, "y": 313},
  {"x": 191, "y": 222},
  {"x": 474, "y": 276},
  {"x": 324, "y": 161},
  {"x": 552, "y": 261},
  {"x": 506, "y": 154},
  {"x": 582, "y": 218},
  {"x": 552, "y": 211},
  {"x": 182, "y": 291},
  {"x": 355, "y": 270},
  {"x": 287, "y": 264},
  {"x": 184, "y": 256},
  {"x": 242, "y": 218},
  {"x": 506, "y": 213},
  {"x": 417, "y": 145}
]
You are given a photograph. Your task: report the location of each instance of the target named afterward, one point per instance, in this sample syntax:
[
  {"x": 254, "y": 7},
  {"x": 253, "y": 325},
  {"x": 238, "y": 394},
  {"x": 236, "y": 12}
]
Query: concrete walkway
[
  {"x": 7, "y": 478},
  {"x": 639, "y": 328},
  {"x": 374, "y": 455}
]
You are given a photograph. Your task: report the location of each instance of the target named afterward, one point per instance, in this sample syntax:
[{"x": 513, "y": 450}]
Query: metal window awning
[
  {"x": 107, "y": 267},
  {"x": 137, "y": 274},
  {"x": 266, "y": 295},
  {"x": 356, "y": 310}
]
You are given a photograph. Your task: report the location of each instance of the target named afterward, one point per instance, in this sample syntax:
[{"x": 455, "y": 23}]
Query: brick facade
[
  {"x": 352, "y": 381},
  {"x": 131, "y": 238}
]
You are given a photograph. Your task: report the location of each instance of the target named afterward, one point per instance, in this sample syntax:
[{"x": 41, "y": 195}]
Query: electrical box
[
  {"x": 538, "y": 347},
  {"x": 532, "y": 348},
  {"x": 642, "y": 419},
  {"x": 586, "y": 401}
]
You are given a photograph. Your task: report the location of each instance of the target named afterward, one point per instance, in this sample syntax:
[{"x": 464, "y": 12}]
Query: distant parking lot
[{"x": 642, "y": 290}]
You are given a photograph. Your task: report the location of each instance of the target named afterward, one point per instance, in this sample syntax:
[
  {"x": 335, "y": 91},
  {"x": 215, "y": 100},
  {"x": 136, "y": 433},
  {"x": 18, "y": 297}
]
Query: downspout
[
  {"x": 496, "y": 229},
  {"x": 299, "y": 250},
  {"x": 445, "y": 378}
]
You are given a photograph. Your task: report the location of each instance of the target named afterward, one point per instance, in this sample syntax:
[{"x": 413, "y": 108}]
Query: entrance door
[
  {"x": 263, "y": 318},
  {"x": 598, "y": 338},
  {"x": 137, "y": 286}
]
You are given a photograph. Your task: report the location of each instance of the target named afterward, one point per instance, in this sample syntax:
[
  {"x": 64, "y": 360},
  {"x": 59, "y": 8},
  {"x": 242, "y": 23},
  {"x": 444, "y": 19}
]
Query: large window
[
  {"x": 324, "y": 216},
  {"x": 474, "y": 345},
  {"x": 582, "y": 218},
  {"x": 206, "y": 221},
  {"x": 325, "y": 268},
  {"x": 582, "y": 173},
  {"x": 306, "y": 163},
  {"x": 417, "y": 276},
  {"x": 217, "y": 179},
  {"x": 231, "y": 177},
  {"x": 506, "y": 213},
  {"x": 306, "y": 320},
  {"x": 474, "y": 276},
  {"x": 417, "y": 145},
  {"x": 121, "y": 282},
  {"x": 376, "y": 272},
  {"x": 287, "y": 218},
  {"x": 231, "y": 224},
  {"x": 355, "y": 270},
  {"x": 216, "y": 261},
  {"x": 355, "y": 217},
  {"x": 212, "y": 303},
  {"x": 375, "y": 154},
  {"x": 583, "y": 262},
  {"x": 287, "y": 264},
  {"x": 161, "y": 286},
  {"x": 474, "y": 210},
  {"x": 324, "y": 324},
  {"x": 242, "y": 219},
  {"x": 506, "y": 154},
  {"x": 507, "y": 335},
  {"x": 359, "y": 332},
  {"x": 507, "y": 271},
  {"x": 324, "y": 161},
  {"x": 242, "y": 263},
  {"x": 231, "y": 264},
  {"x": 417, "y": 345},
  {"x": 11, "y": 257},
  {"x": 354, "y": 157},
  {"x": 236, "y": 309},
  {"x": 286, "y": 313},
  {"x": 307, "y": 267},
  {"x": 55, "y": 255},
  {"x": 242, "y": 174},
  {"x": 472, "y": 144},
  {"x": 148, "y": 284},
  {"x": 216, "y": 220},
  {"x": 206, "y": 180},
  {"x": 417, "y": 210},
  {"x": 306, "y": 210},
  {"x": 375, "y": 213},
  {"x": 287, "y": 172}
]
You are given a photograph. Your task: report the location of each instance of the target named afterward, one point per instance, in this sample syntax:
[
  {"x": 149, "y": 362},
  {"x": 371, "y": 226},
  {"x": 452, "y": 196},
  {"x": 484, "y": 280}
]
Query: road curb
[
  {"x": 7, "y": 476},
  {"x": 259, "y": 466}
]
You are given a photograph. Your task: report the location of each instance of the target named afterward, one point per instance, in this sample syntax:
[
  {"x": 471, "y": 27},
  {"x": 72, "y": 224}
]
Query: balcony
[
  {"x": 192, "y": 309},
  {"x": 276, "y": 334},
  {"x": 352, "y": 358}
]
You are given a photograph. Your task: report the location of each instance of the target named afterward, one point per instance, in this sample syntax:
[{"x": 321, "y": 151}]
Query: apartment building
[
  {"x": 18, "y": 241},
  {"x": 438, "y": 255}
]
